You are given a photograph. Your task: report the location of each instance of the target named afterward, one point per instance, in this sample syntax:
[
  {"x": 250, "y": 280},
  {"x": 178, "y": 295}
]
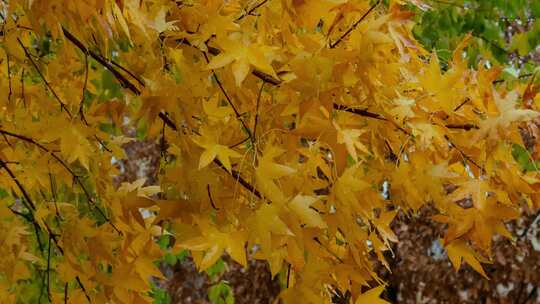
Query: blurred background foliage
[{"x": 505, "y": 32}]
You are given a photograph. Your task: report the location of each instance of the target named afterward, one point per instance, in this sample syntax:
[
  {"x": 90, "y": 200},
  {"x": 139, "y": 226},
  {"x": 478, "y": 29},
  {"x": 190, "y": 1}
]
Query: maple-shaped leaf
[
  {"x": 215, "y": 111},
  {"x": 267, "y": 222},
  {"x": 300, "y": 205},
  {"x": 441, "y": 86},
  {"x": 208, "y": 140},
  {"x": 213, "y": 242},
  {"x": 458, "y": 250},
  {"x": 268, "y": 171},
  {"x": 403, "y": 108},
  {"x": 371, "y": 296},
  {"x": 383, "y": 225},
  {"x": 74, "y": 145},
  {"x": 498, "y": 123},
  {"x": 350, "y": 137},
  {"x": 244, "y": 54}
]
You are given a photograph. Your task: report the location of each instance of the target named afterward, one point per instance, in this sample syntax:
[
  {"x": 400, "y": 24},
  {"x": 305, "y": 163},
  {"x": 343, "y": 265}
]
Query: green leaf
[
  {"x": 3, "y": 193},
  {"x": 159, "y": 295},
  {"x": 221, "y": 293},
  {"x": 523, "y": 158},
  {"x": 170, "y": 259},
  {"x": 217, "y": 269}
]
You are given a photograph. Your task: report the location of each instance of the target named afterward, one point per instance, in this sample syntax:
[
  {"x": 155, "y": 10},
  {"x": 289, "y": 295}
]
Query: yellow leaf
[
  {"x": 350, "y": 137},
  {"x": 458, "y": 250},
  {"x": 371, "y": 296},
  {"x": 213, "y": 150},
  {"x": 300, "y": 205}
]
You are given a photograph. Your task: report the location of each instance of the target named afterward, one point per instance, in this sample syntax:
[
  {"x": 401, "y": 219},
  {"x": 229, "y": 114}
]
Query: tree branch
[
  {"x": 63, "y": 164},
  {"x": 47, "y": 84},
  {"x": 250, "y": 11},
  {"x": 31, "y": 205},
  {"x": 333, "y": 45},
  {"x": 233, "y": 173},
  {"x": 109, "y": 64}
]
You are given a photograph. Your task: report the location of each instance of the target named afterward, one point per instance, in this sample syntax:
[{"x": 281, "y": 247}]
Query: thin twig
[
  {"x": 65, "y": 293},
  {"x": 103, "y": 61},
  {"x": 465, "y": 156},
  {"x": 236, "y": 113},
  {"x": 239, "y": 143},
  {"x": 81, "y": 104},
  {"x": 240, "y": 179},
  {"x": 63, "y": 164},
  {"x": 233, "y": 173},
  {"x": 49, "y": 270},
  {"x": 288, "y": 274},
  {"x": 83, "y": 289},
  {"x": 210, "y": 197},
  {"x": 167, "y": 121},
  {"x": 31, "y": 205},
  {"x": 257, "y": 110},
  {"x": 466, "y": 126},
  {"x": 52, "y": 236},
  {"x": 138, "y": 79},
  {"x": 333, "y": 45},
  {"x": 250, "y": 11},
  {"x": 257, "y": 73},
  {"x": 316, "y": 239},
  {"x": 47, "y": 84},
  {"x": 361, "y": 112},
  {"x": 462, "y": 104}
]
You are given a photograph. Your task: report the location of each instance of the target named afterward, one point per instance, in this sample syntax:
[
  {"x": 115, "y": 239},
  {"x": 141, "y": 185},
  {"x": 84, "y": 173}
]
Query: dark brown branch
[
  {"x": 236, "y": 113},
  {"x": 239, "y": 178},
  {"x": 49, "y": 270},
  {"x": 360, "y": 112},
  {"x": 288, "y": 274},
  {"x": 239, "y": 143},
  {"x": 462, "y": 104},
  {"x": 210, "y": 197},
  {"x": 138, "y": 79},
  {"x": 167, "y": 121},
  {"x": 465, "y": 127},
  {"x": 519, "y": 77},
  {"x": 30, "y": 218},
  {"x": 81, "y": 105},
  {"x": 316, "y": 239},
  {"x": 47, "y": 84},
  {"x": 333, "y": 45},
  {"x": 257, "y": 73},
  {"x": 83, "y": 289},
  {"x": 266, "y": 77},
  {"x": 233, "y": 173},
  {"x": 31, "y": 204},
  {"x": 368, "y": 114},
  {"x": 65, "y": 293},
  {"x": 67, "y": 168},
  {"x": 103, "y": 61},
  {"x": 250, "y": 11},
  {"x": 465, "y": 156}
]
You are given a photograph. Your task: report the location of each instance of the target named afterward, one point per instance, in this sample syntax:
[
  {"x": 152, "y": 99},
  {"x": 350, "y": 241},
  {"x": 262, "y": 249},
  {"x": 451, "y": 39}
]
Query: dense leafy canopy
[{"x": 291, "y": 131}]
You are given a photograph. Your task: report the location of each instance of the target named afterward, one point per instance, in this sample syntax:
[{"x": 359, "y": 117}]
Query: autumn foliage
[{"x": 290, "y": 131}]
